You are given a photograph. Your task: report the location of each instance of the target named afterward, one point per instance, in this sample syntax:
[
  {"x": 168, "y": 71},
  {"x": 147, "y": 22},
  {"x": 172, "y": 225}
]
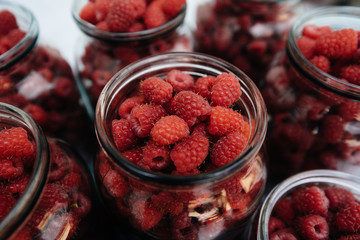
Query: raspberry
[
  {"x": 321, "y": 63},
  {"x": 103, "y": 26},
  {"x": 157, "y": 157},
  {"x": 311, "y": 108},
  {"x": 189, "y": 106},
  {"x": 338, "y": 197},
  {"x": 314, "y": 32},
  {"x": 81, "y": 204},
  {"x": 100, "y": 77},
  {"x": 156, "y": 90},
  {"x": 115, "y": 184},
  {"x": 122, "y": 134},
  {"x": 310, "y": 200},
  {"x": 59, "y": 162},
  {"x": 349, "y": 110},
  {"x": 275, "y": 224},
  {"x": 165, "y": 202},
  {"x": 129, "y": 103},
  {"x": 143, "y": 117},
  {"x": 121, "y": 15},
  {"x": 313, "y": 227},
  {"x": 203, "y": 86},
  {"x": 348, "y": 218},
  {"x": 19, "y": 184},
  {"x": 332, "y": 129},
  {"x": 257, "y": 47},
  {"x": 154, "y": 15},
  {"x": 133, "y": 155},
  {"x": 226, "y": 90},
  {"x": 173, "y": 7},
  {"x": 169, "y": 130},
  {"x": 139, "y": 6},
  {"x": 88, "y": 13},
  {"x": 351, "y": 73},
  {"x": 36, "y": 112},
  {"x": 15, "y": 142},
  {"x": 136, "y": 27},
  {"x": 11, "y": 168},
  {"x": 190, "y": 153},
  {"x": 71, "y": 182},
  {"x": 8, "y": 22},
  {"x": 224, "y": 120},
  {"x": 306, "y": 46},
  {"x": 180, "y": 80},
  {"x": 350, "y": 237},
  {"x": 24, "y": 234},
  {"x": 7, "y": 202},
  {"x": 53, "y": 198},
  {"x": 200, "y": 129},
  {"x": 338, "y": 44},
  {"x": 63, "y": 87},
  {"x": 283, "y": 234},
  {"x": 101, "y": 9},
  {"x": 146, "y": 215},
  {"x": 227, "y": 148},
  {"x": 15, "y": 36}
]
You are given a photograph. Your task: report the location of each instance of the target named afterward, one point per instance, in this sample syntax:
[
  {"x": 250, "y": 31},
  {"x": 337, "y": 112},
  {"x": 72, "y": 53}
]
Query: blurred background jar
[
  {"x": 45, "y": 187},
  {"x": 101, "y": 52},
  {"x": 210, "y": 203},
  {"x": 312, "y": 95},
  {"x": 245, "y": 33}
]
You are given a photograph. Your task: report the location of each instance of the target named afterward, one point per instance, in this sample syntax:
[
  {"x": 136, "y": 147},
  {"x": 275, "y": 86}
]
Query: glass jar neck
[
  {"x": 29, "y": 25},
  {"x": 337, "y": 18},
  {"x": 13, "y": 117},
  {"x": 197, "y": 65}
]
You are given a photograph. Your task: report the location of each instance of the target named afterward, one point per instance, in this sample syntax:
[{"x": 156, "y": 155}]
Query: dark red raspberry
[
  {"x": 310, "y": 200},
  {"x": 156, "y": 156},
  {"x": 100, "y": 77},
  {"x": 306, "y": 46},
  {"x": 7, "y": 202},
  {"x": 24, "y": 234},
  {"x": 146, "y": 215},
  {"x": 11, "y": 168},
  {"x": 321, "y": 62},
  {"x": 143, "y": 117},
  {"x": 140, "y": 7},
  {"x": 332, "y": 129},
  {"x": 311, "y": 108},
  {"x": 313, "y": 227},
  {"x": 156, "y": 90},
  {"x": 204, "y": 85},
  {"x": 180, "y": 80},
  {"x": 173, "y": 7},
  {"x": 338, "y": 197},
  {"x": 190, "y": 153},
  {"x": 224, "y": 120},
  {"x": 170, "y": 129},
  {"x": 37, "y": 113},
  {"x": 347, "y": 219},
  {"x": 115, "y": 184},
  {"x": 15, "y": 142},
  {"x": 200, "y": 129},
  {"x": 226, "y": 90},
  {"x": 54, "y": 198},
  {"x": 8, "y": 22},
  {"x": 166, "y": 202},
  {"x": 228, "y": 148},
  {"x": 350, "y": 237},
  {"x": 129, "y": 103},
  {"x": 19, "y": 184},
  {"x": 136, "y": 27},
  {"x": 189, "y": 106},
  {"x": 133, "y": 155},
  {"x": 314, "y": 32},
  {"x": 14, "y": 37},
  {"x": 71, "y": 182},
  {"x": 349, "y": 110},
  {"x": 80, "y": 204},
  {"x": 275, "y": 224},
  {"x": 351, "y": 73},
  {"x": 59, "y": 162},
  {"x": 283, "y": 234},
  {"x": 123, "y": 136},
  {"x": 154, "y": 15},
  {"x": 121, "y": 15},
  {"x": 88, "y": 13}
]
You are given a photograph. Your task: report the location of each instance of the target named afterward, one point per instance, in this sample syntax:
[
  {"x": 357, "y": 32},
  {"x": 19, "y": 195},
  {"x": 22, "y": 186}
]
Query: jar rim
[
  {"x": 268, "y": 1},
  {"x": 92, "y": 31},
  {"x": 28, "y": 200},
  {"x": 307, "y": 177},
  {"x": 305, "y": 67},
  {"x": 26, "y": 44},
  {"x": 252, "y": 93}
]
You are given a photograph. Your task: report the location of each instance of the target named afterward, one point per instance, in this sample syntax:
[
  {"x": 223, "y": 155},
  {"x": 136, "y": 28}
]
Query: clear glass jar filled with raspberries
[
  {"x": 35, "y": 77},
  {"x": 182, "y": 155},
  {"x": 312, "y": 93},
  {"x": 45, "y": 190},
  {"x": 246, "y": 33},
  {"x": 316, "y": 204},
  {"x": 119, "y": 32}
]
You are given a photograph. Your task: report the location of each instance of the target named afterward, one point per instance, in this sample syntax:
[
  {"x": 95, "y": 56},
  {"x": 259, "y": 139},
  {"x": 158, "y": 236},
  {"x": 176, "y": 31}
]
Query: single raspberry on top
[
  {"x": 322, "y": 63},
  {"x": 204, "y": 85},
  {"x": 15, "y": 142},
  {"x": 121, "y": 15},
  {"x": 313, "y": 227},
  {"x": 224, "y": 120},
  {"x": 8, "y": 22},
  {"x": 226, "y": 90},
  {"x": 170, "y": 129},
  {"x": 310, "y": 200},
  {"x": 173, "y": 7},
  {"x": 122, "y": 133},
  {"x": 180, "y": 80},
  {"x": 154, "y": 15},
  {"x": 351, "y": 73},
  {"x": 156, "y": 90},
  {"x": 338, "y": 197},
  {"x": 348, "y": 218}
]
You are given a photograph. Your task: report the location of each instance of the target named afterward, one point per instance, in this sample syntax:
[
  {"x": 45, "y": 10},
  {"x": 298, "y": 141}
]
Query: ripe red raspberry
[
  {"x": 332, "y": 129},
  {"x": 8, "y": 22},
  {"x": 115, "y": 184},
  {"x": 180, "y": 80},
  {"x": 166, "y": 202},
  {"x": 143, "y": 117},
  {"x": 129, "y": 103},
  {"x": 88, "y": 13},
  {"x": 314, "y": 32},
  {"x": 37, "y": 113},
  {"x": 54, "y": 197},
  {"x": 351, "y": 73},
  {"x": 224, "y": 120},
  {"x": 170, "y": 129},
  {"x": 338, "y": 197},
  {"x": 140, "y": 7},
  {"x": 101, "y": 9},
  {"x": 173, "y": 7},
  {"x": 283, "y": 234},
  {"x": 146, "y": 215},
  {"x": 121, "y": 15},
  {"x": 190, "y": 153},
  {"x": 156, "y": 156},
  {"x": 19, "y": 184},
  {"x": 136, "y": 27},
  {"x": 306, "y": 46},
  {"x": 59, "y": 162},
  {"x": 200, "y": 129},
  {"x": 7, "y": 202},
  {"x": 71, "y": 182},
  {"x": 100, "y": 77},
  {"x": 156, "y": 90},
  {"x": 349, "y": 110},
  {"x": 348, "y": 218},
  {"x": 204, "y": 85},
  {"x": 154, "y": 15},
  {"x": 311, "y": 108},
  {"x": 310, "y": 200},
  {"x": 338, "y": 44},
  {"x": 226, "y": 90},
  {"x": 350, "y": 237},
  {"x": 275, "y": 224},
  {"x": 321, "y": 63},
  {"x": 189, "y": 106},
  {"x": 15, "y": 142},
  {"x": 11, "y": 168},
  {"x": 122, "y": 134},
  {"x": 313, "y": 227},
  {"x": 227, "y": 148},
  {"x": 14, "y": 37},
  {"x": 133, "y": 155},
  {"x": 81, "y": 204}
]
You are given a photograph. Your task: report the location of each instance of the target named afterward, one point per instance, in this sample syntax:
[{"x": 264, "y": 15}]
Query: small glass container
[
  {"x": 100, "y": 54},
  {"x": 48, "y": 195},
  {"x": 246, "y": 33},
  {"x": 314, "y": 115},
  {"x": 206, "y": 205}
]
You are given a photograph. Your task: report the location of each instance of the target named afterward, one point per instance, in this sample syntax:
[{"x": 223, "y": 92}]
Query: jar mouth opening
[
  {"x": 92, "y": 31},
  {"x": 268, "y": 2},
  {"x": 28, "y": 200},
  {"x": 28, "y": 23},
  {"x": 331, "y": 177},
  {"x": 177, "y": 60},
  {"x": 338, "y": 18}
]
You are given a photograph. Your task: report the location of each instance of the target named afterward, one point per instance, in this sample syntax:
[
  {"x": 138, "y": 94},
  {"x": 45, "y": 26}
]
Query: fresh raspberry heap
[
  {"x": 313, "y": 212},
  {"x": 10, "y": 34},
  {"x": 126, "y": 15}
]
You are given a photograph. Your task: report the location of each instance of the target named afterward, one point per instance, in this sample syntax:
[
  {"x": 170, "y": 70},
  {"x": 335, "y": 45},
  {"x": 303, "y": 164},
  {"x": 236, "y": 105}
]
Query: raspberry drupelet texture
[
  {"x": 156, "y": 90},
  {"x": 310, "y": 200},
  {"x": 170, "y": 129},
  {"x": 180, "y": 80},
  {"x": 122, "y": 133},
  {"x": 226, "y": 90},
  {"x": 224, "y": 120},
  {"x": 121, "y": 15}
]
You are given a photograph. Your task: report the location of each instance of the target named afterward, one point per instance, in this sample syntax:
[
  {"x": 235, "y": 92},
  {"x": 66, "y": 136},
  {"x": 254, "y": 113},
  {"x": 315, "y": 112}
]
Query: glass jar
[
  {"x": 37, "y": 79},
  {"x": 246, "y": 33},
  {"x": 326, "y": 180},
  {"x": 45, "y": 188},
  {"x": 206, "y": 207},
  {"x": 100, "y": 54},
  {"x": 314, "y": 115}
]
